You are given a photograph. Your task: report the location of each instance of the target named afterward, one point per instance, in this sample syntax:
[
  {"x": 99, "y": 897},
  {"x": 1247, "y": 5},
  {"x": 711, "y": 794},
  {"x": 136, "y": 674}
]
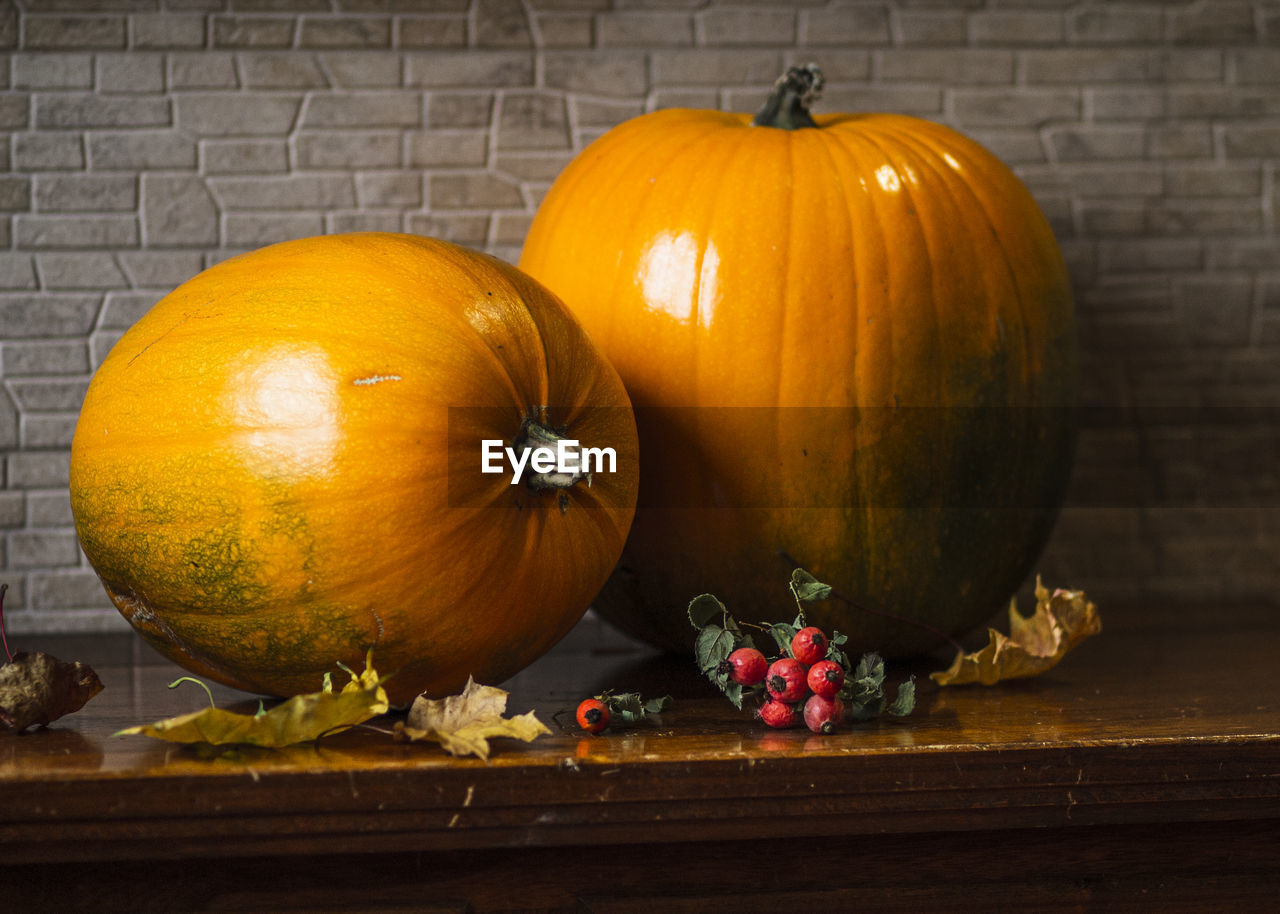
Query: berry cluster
[
  {"x": 804, "y": 685},
  {"x": 810, "y": 679}
]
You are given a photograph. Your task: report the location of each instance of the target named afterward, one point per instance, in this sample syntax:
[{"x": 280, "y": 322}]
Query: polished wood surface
[{"x": 1145, "y": 768}]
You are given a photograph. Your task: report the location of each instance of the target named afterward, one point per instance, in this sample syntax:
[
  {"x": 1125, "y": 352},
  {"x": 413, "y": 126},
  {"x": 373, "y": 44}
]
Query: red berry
[
  {"x": 823, "y": 714},
  {"x": 593, "y": 715},
  {"x": 747, "y": 666},
  {"x": 777, "y": 714},
  {"x": 785, "y": 679},
  {"x": 825, "y": 678},
  {"x": 809, "y": 645}
]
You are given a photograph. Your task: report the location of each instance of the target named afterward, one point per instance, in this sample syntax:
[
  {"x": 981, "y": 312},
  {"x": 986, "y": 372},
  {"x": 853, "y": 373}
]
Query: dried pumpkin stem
[
  {"x": 787, "y": 107},
  {"x": 535, "y": 436}
]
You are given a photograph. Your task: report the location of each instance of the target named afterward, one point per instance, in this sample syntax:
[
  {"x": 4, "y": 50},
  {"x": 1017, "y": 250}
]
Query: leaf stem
[
  {"x": 3, "y": 639},
  {"x": 862, "y": 607},
  {"x": 181, "y": 679}
]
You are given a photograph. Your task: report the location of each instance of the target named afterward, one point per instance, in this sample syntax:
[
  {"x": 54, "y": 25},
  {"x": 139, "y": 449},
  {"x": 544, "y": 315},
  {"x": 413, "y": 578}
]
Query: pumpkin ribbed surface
[
  {"x": 278, "y": 467},
  {"x": 849, "y": 345}
]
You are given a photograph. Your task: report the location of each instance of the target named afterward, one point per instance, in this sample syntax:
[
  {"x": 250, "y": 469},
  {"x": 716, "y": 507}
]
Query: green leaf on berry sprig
[
  {"x": 864, "y": 694},
  {"x": 719, "y": 635},
  {"x": 629, "y": 708},
  {"x": 808, "y": 589}
]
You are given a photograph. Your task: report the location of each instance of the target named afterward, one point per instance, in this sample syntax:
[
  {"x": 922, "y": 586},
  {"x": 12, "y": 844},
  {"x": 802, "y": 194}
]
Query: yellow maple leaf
[
  {"x": 301, "y": 719},
  {"x": 463, "y": 724},
  {"x": 1034, "y": 644}
]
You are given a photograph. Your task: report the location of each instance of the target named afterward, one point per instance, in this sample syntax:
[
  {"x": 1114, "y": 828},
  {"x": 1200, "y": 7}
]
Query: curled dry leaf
[
  {"x": 37, "y": 688},
  {"x": 463, "y": 724},
  {"x": 1034, "y": 644},
  {"x": 303, "y": 718}
]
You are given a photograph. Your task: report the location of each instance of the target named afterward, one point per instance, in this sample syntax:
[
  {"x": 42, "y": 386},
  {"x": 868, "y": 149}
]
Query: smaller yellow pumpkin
[{"x": 281, "y": 466}]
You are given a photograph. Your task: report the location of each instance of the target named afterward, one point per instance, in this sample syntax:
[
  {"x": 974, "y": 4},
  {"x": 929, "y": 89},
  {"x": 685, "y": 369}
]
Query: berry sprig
[
  {"x": 598, "y": 714},
  {"x": 809, "y": 678}
]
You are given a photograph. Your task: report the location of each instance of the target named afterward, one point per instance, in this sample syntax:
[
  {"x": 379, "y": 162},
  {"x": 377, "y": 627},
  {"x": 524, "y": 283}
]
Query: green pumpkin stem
[{"x": 787, "y": 107}]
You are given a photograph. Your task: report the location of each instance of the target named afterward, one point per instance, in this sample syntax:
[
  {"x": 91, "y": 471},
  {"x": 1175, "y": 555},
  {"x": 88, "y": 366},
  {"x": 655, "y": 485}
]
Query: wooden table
[{"x": 1144, "y": 771}]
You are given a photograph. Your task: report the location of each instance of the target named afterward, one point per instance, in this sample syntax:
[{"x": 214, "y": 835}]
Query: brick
[
  {"x": 532, "y": 166},
  {"x": 61, "y": 33},
  {"x": 715, "y": 67},
  {"x": 252, "y": 32},
  {"x": 42, "y": 314},
  {"x": 39, "y": 469},
  {"x": 334, "y": 149},
  {"x": 566, "y": 31},
  {"x": 473, "y": 190},
  {"x": 47, "y": 431},
  {"x": 42, "y": 549},
  {"x": 279, "y": 70},
  {"x": 52, "y": 71},
  {"x": 1179, "y": 141},
  {"x": 100, "y": 343},
  {"x": 1143, "y": 255},
  {"x": 839, "y": 65},
  {"x": 15, "y": 193},
  {"x": 742, "y": 26},
  {"x": 1215, "y": 311},
  {"x": 459, "y": 110},
  {"x": 1110, "y": 180},
  {"x": 532, "y": 120},
  {"x": 931, "y": 27},
  {"x": 121, "y": 310},
  {"x": 946, "y": 66},
  {"x": 17, "y": 271},
  {"x": 252, "y": 230},
  {"x": 1112, "y": 218},
  {"x": 1245, "y": 254},
  {"x": 362, "y": 69},
  {"x": 49, "y": 395},
  {"x": 100, "y": 231},
  {"x": 237, "y": 115},
  {"x": 1094, "y": 65},
  {"x": 1109, "y": 25},
  {"x": 345, "y": 32},
  {"x": 205, "y": 70},
  {"x": 644, "y": 28},
  {"x": 363, "y": 109},
  {"x": 621, "y": 73},
  {"x": 1186, "y": 180},
  {"x": 1014, "y": 106},
  {"x": 13, "y": 509},
  {"x": 135, "y": 72},
  {"x": 280, "y": 6},
  {"x": 471, "y": 230},
  {"x": 362, "y": 222},
  {"x": 59, "y": 111},
  {"x": 589, "y": 112},
  {"x": 501, "y": 24},
  {"x": 178, "y": 211},
  {"x": 1234, "y": 101},
  {"x": 1212, "y": 23},
  {"x": 437, "y": 148},
  {"x": 845, "y": 24},
  {"x": 1204, "y": 216},
  {"x": 1016, "y": 27},
  {"x": 291, "y": 192},
  {"x": 1125, "y": 104},
  {"x": 1251, "y": 140},
  {"x": 167, "y": 31},
  {"x": 10, "y": 423},
  {"x": 1075, "y": 144},
  {"x": 244, "y": 156},
  {"x": 511, "y": 228},
  {"x": 469, "y": 69},
  {"x": 903, "y": 99},
  {"x": 79, "y": 270},
  {"x": 433, "y": 32},
  {"x": 165, "y": 269},
  {"x": 86, "y": 193},
  {"x": 142, "y": 149},
  {"x": 390, "y": 189},
  {"x": 67, "y": 590},
  {"x": 14, "y": 111}
]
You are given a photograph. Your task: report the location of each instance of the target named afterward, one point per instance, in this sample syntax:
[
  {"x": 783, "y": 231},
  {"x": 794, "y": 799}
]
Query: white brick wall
[{"x": 145, "y": 140}]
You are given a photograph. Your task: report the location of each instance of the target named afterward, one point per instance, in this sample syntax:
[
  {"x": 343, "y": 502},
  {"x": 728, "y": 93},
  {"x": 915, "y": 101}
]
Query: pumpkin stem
[
  {"x": 536, "y": 436},
  {"x": 787, "y": 107}
]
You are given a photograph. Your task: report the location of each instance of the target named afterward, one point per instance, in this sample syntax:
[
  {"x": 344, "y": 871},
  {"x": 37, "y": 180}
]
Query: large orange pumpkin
[
  {"x": 279, "y": 467},
  {"x": 849, "y": 341}
]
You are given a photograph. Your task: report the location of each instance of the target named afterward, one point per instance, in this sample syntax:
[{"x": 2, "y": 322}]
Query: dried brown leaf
[
  {"x": 463, "y": 724},
  {"x": 1034, "y": 644},
  {"x": 37, "y": 688}
]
